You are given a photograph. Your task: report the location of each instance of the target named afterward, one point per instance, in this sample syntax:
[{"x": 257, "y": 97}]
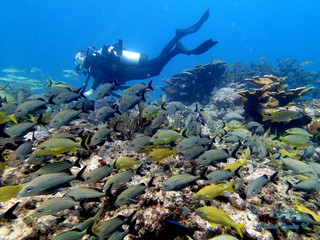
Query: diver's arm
[
  {"x": 93, "y": 87},
  {"x": 95, "y": 84}
]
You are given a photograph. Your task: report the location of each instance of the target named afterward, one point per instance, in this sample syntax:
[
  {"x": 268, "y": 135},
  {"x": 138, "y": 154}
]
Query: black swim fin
[
  {"x": 194, "y": 28},
  {"x": 202, "y": 48}
]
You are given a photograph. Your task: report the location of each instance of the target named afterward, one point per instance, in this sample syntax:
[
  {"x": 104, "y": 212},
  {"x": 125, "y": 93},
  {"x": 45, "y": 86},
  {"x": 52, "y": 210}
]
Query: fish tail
[
  {"x": 174, "y": 151},
  {"x": 117, "y": 110},
  {"x": 273, "y": 178},
  {"x": 50, "y": 100},
  {"x": 108, "y": 191},
  {"x": 90, "y": 230},
  {"x": 12, "y": 118},
  {"x": 2, "y": 130},
  {"x": 203, "y": 174},
  {"x": 230, "y": 187},
  {"x": 129, "y": 219},
  {"x": 244, "y": 161},
  {"x": 150, "y": 88},
  {"x": 49, "y": 84},
  {"x": 77, "y": 162},
  {"x": 247, "y": 154},
  {"x": 79, "y": 174},
  {"x": 85, "y": 142},
  {"x": 132, "y": 229},
  {"x": 265, "y": 117},
  {"x": 289, "y": 186},
  {"x": 40, "y": 121},
  {"x": 236, "y": 172},
  {"x": 150, "y": 183},
  {"x": 234, "y": 152},
  {"x": 163, "y": 106},
  {"x": 238, "y": 228},
  {"x": 9, "y": 213}
]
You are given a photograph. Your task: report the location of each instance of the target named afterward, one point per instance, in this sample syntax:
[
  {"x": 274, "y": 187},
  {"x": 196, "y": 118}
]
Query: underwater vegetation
[{"x": 237, "y": 158}]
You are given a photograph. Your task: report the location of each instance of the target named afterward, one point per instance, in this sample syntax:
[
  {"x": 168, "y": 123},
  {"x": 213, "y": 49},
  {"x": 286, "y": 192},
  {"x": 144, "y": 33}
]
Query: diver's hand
[{"x": 88, "y": 93}]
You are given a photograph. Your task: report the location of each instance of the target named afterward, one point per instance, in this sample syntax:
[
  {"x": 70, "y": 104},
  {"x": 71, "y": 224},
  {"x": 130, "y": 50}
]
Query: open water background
[{"x": 47, "y": 34}]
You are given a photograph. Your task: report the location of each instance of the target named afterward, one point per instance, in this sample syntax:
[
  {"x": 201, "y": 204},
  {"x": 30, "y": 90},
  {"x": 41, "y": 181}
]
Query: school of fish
[{"x": 114, "y": 166}]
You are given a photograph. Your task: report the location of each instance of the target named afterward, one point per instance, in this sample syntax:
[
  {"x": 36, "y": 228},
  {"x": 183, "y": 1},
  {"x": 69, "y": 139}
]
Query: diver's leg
[
  {"x": 194, "y": 28},
  {"x": 180, "y": 33},
  {"x": 154, "y": 66},
  {"x": 202, "y": 48}
]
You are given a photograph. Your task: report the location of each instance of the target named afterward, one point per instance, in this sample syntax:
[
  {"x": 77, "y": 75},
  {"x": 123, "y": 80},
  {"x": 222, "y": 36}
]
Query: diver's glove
[{"x": 88, "y": 93}]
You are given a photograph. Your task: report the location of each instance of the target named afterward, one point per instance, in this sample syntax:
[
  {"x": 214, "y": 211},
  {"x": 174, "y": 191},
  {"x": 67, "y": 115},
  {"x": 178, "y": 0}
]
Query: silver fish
[
  {"x": 55, "y": 205},
  {"x": 84, "y": 193},
  {"x": 98, "y": 173},
  {"x": 100, "y": 136},
  {"x": 194, "y": 152},
  {"x": 127, "y": 102},
  {"x": 308, "y": 186},
  {"x": 105, "y": 113},
  {"x": 29, "y": 107},
  {"x": 131, "y": 193},
  {"x": 66, "y": 97},
  {"x": 219, "y": 176},
  {"x": 55, "y": 167},
  {"x": 178, "y": 182},
  {"x": 213, "y": 156},
  {"x": 299, "y": 167},
  {"x": 139, "y": 143},
  {"x": 104, "y": 90},
  {"x": 46, "y": 183},
  {"x": 109, "y": 226},
  {"x": 138, "y": 88},
  {"x": 64, "y": 117},
  {"x": 256, "y": 185},
  {"x": 21, "y": 152},
  {"x": 119, "y": 179},
  {"x": 71, "y": 235}
]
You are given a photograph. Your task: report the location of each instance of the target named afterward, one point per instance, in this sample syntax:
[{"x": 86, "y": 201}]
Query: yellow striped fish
[
  {"x": 212, "y": 191},
  {"x": 215, "y": 216}
]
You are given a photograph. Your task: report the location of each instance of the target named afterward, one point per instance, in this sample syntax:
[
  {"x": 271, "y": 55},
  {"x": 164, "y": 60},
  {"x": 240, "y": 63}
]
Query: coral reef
[
  {"x": 271, "y": 95},
  {"x": 196, "y": 84}
]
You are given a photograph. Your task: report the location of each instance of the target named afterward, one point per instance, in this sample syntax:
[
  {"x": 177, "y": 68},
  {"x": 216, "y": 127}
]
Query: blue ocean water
[{"x": 47, "y": 34}]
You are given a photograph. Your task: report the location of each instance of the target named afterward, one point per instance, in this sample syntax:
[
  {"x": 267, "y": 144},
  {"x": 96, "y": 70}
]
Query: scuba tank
[
  {"x": 133, "y": 57},
  {"x": 129, "y": 57}
]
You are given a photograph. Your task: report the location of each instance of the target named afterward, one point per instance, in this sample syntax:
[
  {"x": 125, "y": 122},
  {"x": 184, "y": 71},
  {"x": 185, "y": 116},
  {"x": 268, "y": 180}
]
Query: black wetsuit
[{"x": 107, "y": 67}]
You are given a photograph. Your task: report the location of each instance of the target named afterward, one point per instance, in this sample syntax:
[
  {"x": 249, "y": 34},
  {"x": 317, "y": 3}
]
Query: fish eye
[
  {"x": 19, "y": 111},
  {"x": 18, "y": 158},
  {"x": 122, "y": 199},
  {"x": 44, "y": 147},
  {"x": 40, "y": 210},
  {"x": 55, "y": 121},
  {"x": 166, "y": 186},
  {"x": 29, "y": 189}
]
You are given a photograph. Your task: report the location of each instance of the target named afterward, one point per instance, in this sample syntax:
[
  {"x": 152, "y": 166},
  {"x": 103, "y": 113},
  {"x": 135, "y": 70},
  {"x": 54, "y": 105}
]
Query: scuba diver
[{"x": 115, "y": 64}]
